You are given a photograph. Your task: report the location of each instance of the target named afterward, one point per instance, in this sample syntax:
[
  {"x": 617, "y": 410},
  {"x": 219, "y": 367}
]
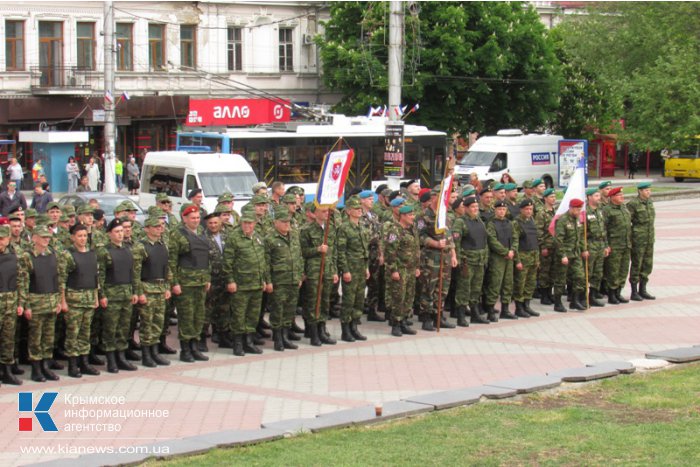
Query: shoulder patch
[
  {"x": 392, "y": 238},
  {"x": 421, "y": 224}
]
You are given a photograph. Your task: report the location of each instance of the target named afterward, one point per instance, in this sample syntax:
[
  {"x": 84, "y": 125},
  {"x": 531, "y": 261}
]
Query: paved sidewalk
[{"x": 229, "y": 393}]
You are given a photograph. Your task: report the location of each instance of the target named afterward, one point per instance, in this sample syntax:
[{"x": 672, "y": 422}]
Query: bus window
[
  {"x": 162, "y": 179},
  {"x": 191, "y": 184}
]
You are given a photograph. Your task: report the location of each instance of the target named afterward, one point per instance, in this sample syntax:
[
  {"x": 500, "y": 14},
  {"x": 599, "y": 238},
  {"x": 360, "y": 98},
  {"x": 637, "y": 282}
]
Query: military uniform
[
  {"x": 375, "y": 283},
  {"x": 502, "y": 240},
  {"x": 618, "y": 225},
  {"x": 218, "y": 307},
  {"x": 547, "y": 253},
  {"x": 527, "y": 254},
  {"x": 643, "y": 215},
  {"x": 13, "y": 278},
  {"x": 568, "y": 239},
  {"x": 472, "y": 247},
  {"x": 597, "y": 244}
]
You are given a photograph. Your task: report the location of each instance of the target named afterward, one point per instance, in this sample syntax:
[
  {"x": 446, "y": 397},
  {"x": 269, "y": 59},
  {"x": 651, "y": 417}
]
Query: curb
[{"x": 367, "y": 415}]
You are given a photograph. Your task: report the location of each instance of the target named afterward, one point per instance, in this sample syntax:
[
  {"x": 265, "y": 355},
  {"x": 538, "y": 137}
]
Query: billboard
[{"x": 237, "y": 112}]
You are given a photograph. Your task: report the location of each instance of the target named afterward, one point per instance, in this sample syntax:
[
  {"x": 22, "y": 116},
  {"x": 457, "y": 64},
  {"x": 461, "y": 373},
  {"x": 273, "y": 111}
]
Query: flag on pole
[
  {"x": 334, "y": 174},
  {"x": 125, "y": 96},
  {"x": 443, "y": 201},
  {"x": 400, "y": 110},
  {"x": 415, "y": 107},
  {"x": 108, "y": 96},
  {"x": 576, "y": 189}
]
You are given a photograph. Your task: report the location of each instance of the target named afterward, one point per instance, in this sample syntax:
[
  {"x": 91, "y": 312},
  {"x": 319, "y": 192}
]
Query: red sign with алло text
[{"x": 225, "y": 112}]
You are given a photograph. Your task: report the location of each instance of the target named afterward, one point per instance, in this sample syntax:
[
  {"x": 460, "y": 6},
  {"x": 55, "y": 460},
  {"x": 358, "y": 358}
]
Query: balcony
[{"x": 63, "y": 81}]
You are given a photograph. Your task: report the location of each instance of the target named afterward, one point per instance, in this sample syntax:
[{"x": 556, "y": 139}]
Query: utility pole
[
  {"x": 110, "y": 107},
  {"x": 394, "y": 145}
]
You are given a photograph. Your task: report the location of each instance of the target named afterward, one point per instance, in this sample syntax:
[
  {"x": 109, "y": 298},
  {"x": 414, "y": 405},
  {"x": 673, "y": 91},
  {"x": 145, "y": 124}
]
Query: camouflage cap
[
  {"x": 85, "y": 209},
  {"x": 42, "y": 231},
  {"x": 15, "y": 216},
  {"x": 259, "y": 199},
  {"x": 155, "y": 211},
  {"x": 152, "y": 222},
  {"x": 53, "y": 205},
  {"x": 129, "y": 206},
  {"x": 4, "y": 231},
  {"x": 225, "y": 197},
  {"x": 310, "y": 206},
  {"x": 31, "y": 212},
  {"x": 64, "y": 218},
  {"x": 527, "y": 184},
  {"x": 385, "y": 192},
  {"x": 248, "y": 208},
  {"x": 282, "y": 214},
  {"x": 121, "y": 207},
  {"x": 353, "y": 203},
  {"x": 68, "y": 210},
  {"x": 258, "y": 186},
  {"x": 162, "y": 197},
  {"x": 290, "y": 198},
  {"x": 248, "y": 217},
  {"x": 222, "y": 208},
  {"x": 42, "y": 219}
]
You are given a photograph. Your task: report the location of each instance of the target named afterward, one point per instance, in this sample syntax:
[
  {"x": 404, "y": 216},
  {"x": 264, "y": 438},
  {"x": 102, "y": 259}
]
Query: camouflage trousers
[
  {"x": 430, "y": 294},
  {"x": 42, "y": 326},
  {"x": 190, "y": 311},
  {"x": 642, "y": 261},
  {"x": 500, "y": 280},
  {"x": 401, "y": 293},
  {"x": 353, "y": 296},
  {"x": 151, "y": 317},
  {"x": 311, "y": 294},
  {"x": 116, "y": 321},
  {"x": 78, "y": 319},
  {"x": 544, "y": 276},
  {"x": 572, "y": 272},
  {"x": 245, "y": 310},
  {"x": 283, "y": 303},
  {"x": 218, "y": 308},
  {"x": 470, "y": 280},
  {"x": 616, "y": 267},
  {"x": 375, "y": 284},
  {"x": 169, "y": 313},
  {"x": 8, "y": 322},
  {"x": 596, "y": 260},
  {"x": 525, "y": 280}
]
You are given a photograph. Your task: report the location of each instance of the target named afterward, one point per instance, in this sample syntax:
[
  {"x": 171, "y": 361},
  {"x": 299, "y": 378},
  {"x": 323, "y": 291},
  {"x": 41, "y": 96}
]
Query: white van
[
  {"x": 179, "y": 172},
  {"x": 524, "y": 157}
]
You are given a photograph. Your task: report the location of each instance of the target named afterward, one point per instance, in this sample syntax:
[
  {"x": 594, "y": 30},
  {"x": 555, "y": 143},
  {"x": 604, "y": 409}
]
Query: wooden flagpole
[
  {"x": 585, "y": 248},
  {"x": 448, "y": 168}
]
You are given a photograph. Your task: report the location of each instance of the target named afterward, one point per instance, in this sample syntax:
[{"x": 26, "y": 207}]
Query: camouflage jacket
[
  {"x": 643, "y": 216},
  {"x": 140, "y": 255},
  {"x": 401, "y": 248},
  {"x": 113, "y": 292},
  {"x": 179, "y": 246},
  {"x": 39, "y": 303},
  {"x": 283, "y": 258},
  {"x": 618, "y": 224},
  {"x": 595, "y": 226},
  {"x": 542, "y": 221},
  {"x": 568, "y": 236},
  {"x": 311, "y": 237},
  {"x": 244, "y": 260},
  {"x": 352, "y": 242}
]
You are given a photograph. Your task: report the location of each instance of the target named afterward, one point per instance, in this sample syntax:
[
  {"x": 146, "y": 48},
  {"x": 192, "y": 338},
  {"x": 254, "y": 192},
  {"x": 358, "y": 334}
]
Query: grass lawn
[{"x": 648, "y": 419}]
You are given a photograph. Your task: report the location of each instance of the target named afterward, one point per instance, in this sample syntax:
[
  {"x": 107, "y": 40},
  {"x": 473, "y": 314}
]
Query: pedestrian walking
[{"x": 73, "y": 174}]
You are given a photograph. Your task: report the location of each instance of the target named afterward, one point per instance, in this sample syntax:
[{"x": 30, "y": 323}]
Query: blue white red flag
[
  {"x": 443, "y": 201},
  {"x": 334, "y": 174},
  {"x": 400, "y": 110},
  {"x": 125, "y": 96},
  {"x": 575, "y": 190},
  {"x": 108, "y": 96}
]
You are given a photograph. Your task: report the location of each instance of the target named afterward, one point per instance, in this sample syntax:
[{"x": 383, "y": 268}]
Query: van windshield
[
  {"x": 238, "y": 183},
  {"x": 478, "y": 158}
]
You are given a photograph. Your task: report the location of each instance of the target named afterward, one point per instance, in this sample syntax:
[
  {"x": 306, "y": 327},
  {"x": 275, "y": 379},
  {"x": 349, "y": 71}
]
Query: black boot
[
  {"x": 291, "y": 335},
  {"x": 131, "y": 355},
  {"x": 225, "y": 340},
  {"x": 576, "y": 303},
  {"x": 86, "y": 368},
  {"x": 558, "y": 306},
  {"x": 307, "y": 329},
  {"x": 635, "y": 295},
  {"x": 643, "y": 290},
  {"x": 346, "y": 335},
  {"x": 491, "y": 314},
  {"x": 520, "y": 310},
  {"x": 37, "y": 374},
  {"x": 355, "y": 331},
  {"x": 323, "y": 334},
  {"x": 147, "y": 358},
  {"x": 8, "y": 377},
  {"x": 612, "y": 297},
  {"x": 238, "y": 345},
  {"x": 285, "y": 340},
  {"x": 112, "y": 362},
  {"x": 46, "y": 371},
  {"x": 372, "y": 315},
  {"x": 475, "y": 316},
  {"x": 461, "y": 312},
  {"x": 444, "y": 324},
  {"x": 593, "y": 299},
  {"x": 202, "y": 343},
  {"x": 196, "y": 353},
  {"x": 505, "y": 312},
  {"x": 249, "y": 346},
  {"x": 93, "y": 358},
  {"x": 16, "y": 370},
  {"x": 312, "y": 329},
  {"x": 261, "y": 329},
  {"x": 157, "y": 358},
  {"x": 405, "y": 328},
  {"x": 295, "y": 328},
  {"x": 133, "y": 345},
  {"x": 164, "y": 348},
  {"x": 428, "y": 324},
  {"x": 546, "y": 298},
  {"x": 597, "y": 294},
  {"x": 73, "y": 369},
  {"x": 277, "y": 340},
  {"x": 257, "y": 340},
  {"x": 396, "y": 329},
  {"x": 528, "y": 310},
  {"x": 618, "y": 295},
  {"x": 52, "y": 364},
  {"x": 186, "y": 352},
  {"x": 123, "y": 363}
]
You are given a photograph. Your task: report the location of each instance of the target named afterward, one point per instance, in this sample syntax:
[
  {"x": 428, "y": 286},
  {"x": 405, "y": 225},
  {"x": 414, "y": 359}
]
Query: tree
[{"x": 477, "y": 66}]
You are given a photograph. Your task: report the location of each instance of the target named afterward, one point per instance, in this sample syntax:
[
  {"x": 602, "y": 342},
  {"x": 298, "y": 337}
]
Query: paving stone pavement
[{"x": 230, "y": 394}]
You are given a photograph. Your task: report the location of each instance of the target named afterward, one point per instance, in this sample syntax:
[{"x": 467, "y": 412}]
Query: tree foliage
[{"x": 477, "y": 66}]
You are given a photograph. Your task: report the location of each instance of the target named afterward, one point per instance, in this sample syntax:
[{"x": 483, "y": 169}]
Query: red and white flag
[
  {"x": 443, "y": 201},
  {"x": 575, "y": 190},
  {"x": 334, "y": 174}
]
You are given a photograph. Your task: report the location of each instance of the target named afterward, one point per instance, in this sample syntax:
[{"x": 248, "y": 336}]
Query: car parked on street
[{"x": 108, "y": 201}]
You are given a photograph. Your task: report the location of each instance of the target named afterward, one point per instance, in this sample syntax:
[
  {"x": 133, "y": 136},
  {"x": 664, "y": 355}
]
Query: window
[
  {"x": 235, "y": 49},
  {"x": 124, "y": 47},
  {"x": 85, "y": 33},
  {"x": 190, "y": 183},
  {"x": 156, "y": 46},
  {"x": 14, "y": 45},
  {"x": 162, "y": 180},
  {"x": 286, "y": 50},
  {"x": 51, "y": 52},
  {"x": 188, "y": 46}
]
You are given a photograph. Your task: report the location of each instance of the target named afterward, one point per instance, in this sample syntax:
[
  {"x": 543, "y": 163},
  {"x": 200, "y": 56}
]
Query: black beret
[
  {"x": 98, "y": 214},
  {"x": 500, "y": 204},
  {"x": 194, "y": 193},
  {"x": 116, "y": 222},
  {"x": 403, "y": 185},
  {"x": 469, "y": 200},
  {"x": 354, "y": 191},
  {"x": 393, "y": 195},
  {"x": 381, "y": 188},
  {"x": 525, "y": 203},
  {"x": 488, "y": 188},
  {"x": 76, "y": 227},
  {"x": 457, "y": 203},
  {"x": 213, "y": 214}
]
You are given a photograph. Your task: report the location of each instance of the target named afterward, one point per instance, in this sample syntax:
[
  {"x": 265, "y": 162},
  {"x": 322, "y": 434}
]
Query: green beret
[
  {"x": 591, "y": 191},
  {"x": 604, "y": 184},
  {"x": 42, "y": 231},
  {"x": 644, "y": 185},
  {"x": 86, "y": 209},
  {"x": 537, "y": 181},
  {"x": 499, "y": 186},
  {"x": 468, "y": 192},
  {"x": 405, "y": 209},
  {"x": 510, "y": 186},
  {"x": 248, "y": 217},
  {"x": 289, "y": 198},
  {"x": 353, "y": 202},
  {"x": 52, "y": 205},
  {"x": 549, "y": 191},
  {"x": 225, "y": 197},
  {"x": 527, "y": 184},
  {"x": 151, "y": 222},
  {"x": 68, "y": 209},
  {"x": 222, "y": 208},
  {"x": 4, "y": 231},
  {"x": 259, "y": 199},
  {"x": 162, "y": 197},
  {"x": 31, "y": 212}
]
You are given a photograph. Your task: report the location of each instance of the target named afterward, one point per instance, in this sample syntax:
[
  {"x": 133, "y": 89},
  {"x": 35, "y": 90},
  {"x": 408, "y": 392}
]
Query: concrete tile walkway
[{"x": 229, "y": 393}]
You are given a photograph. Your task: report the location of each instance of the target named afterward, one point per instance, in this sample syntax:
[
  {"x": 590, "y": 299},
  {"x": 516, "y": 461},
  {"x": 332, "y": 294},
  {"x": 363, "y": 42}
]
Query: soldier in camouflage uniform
[
  {"x": 171, "y": 222},
  {"x": 117, "y": 296},
  {"x": 539, "y": 188},
  {"x": 512, "y": 200},
  {"x": 402, "y": 263},
  {"x": 486, "y": 204},
  {"x": 227, "y": 200},
  {"x": 526, "y": 262},
  {"x": 196, "y": 197},
  {"x": 434, "y": 246},
  {"x": 17, "y": 240},
  {"x": 313, "y": 247},
  {"x": 370, "y": 221},
  {"x": 568, "y": 240},
  {"x": 597, "y": 245},
  {"x": 247, "y": 279},
  {"x": 618, "y": 225},
  {"x": 40, "y": 299},
  {"x": 80, "y": 300},
  {"x": 604, "y": 188},
  {"x": 164, "y": 203},
  {"x": 503, "y": 246},
  {"x": 188, "y": 251},
  {"x": 70, "y": 212},
  {"x": 352, "y": 242},
  {"x": 643, "y": 216},
  {"x": 152, "y": 280},
  {"x": 12, "y": 278},
  {"x": 285, "y": 269},
  {"x": 546, "y": 245},
  {"x": 218, "y": 308}
]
